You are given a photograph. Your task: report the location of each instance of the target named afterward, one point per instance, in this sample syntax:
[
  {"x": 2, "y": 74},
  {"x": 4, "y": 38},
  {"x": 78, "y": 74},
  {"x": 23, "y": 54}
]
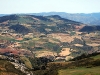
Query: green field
[
  {"x": 80, "y": 71},
  {"x": 96, "y": 57}
]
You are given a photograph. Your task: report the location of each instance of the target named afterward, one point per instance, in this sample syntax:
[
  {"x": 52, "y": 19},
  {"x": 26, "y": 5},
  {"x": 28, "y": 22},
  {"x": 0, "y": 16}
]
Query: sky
[{"x": 37, "y": 6}]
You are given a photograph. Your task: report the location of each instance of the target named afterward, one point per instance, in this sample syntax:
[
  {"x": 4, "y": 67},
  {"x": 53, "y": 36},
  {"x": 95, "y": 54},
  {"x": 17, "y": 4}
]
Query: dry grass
[
  {"x": 19, "y": 39},
  {"x": 45, "y": 53},
  {"x": 7, "y": 73},
  {"x": 93, "y": 44},
  {"x": 65, "y": 52},
  {"x": 80, "y": 45}
]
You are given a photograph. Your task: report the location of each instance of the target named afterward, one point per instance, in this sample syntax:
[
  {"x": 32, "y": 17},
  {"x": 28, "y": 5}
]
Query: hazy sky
[{"x": 34, "y": 6}]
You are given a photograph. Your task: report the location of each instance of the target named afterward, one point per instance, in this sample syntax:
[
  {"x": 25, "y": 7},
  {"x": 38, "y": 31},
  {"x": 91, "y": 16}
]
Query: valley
[{"x": 36, "y": 41}]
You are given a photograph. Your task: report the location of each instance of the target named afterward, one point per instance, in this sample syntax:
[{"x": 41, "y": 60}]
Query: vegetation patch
[
  {"x": 26, "y": 61},
  {"x": 80, "y": 71}
]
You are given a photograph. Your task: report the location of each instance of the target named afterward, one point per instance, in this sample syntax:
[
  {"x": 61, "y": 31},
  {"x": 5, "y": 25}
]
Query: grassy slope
[
  {"x": 96, "y": 57},
  {"x": 27, "y": 62},
  {"x": 80, "y": 71}
]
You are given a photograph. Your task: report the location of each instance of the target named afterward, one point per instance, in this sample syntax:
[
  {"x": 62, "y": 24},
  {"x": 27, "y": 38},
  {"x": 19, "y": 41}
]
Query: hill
[
  {"x": 2, "y": 15},
  {"x": 90, "y": 29},
  {"x": 89, "y": 18},
  {"x": 42, "y": 24}
]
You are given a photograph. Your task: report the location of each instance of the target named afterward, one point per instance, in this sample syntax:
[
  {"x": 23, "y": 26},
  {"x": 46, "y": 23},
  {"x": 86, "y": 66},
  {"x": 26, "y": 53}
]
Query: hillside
[
  {"x": 35, "y": 44},
  {"x": 47, "y": 34},
  {"x": 90, "y": 29},
  {"x": 36, "y": 33},
  {"x": 89, "y": 65},
  {"x": 42, "y": 24}
]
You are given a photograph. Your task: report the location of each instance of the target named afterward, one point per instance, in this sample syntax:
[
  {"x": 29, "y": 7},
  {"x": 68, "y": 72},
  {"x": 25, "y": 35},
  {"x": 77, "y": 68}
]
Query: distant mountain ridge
[
  {"x": 86, "y": 18},
  {"x": 90, "y": 18}
]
